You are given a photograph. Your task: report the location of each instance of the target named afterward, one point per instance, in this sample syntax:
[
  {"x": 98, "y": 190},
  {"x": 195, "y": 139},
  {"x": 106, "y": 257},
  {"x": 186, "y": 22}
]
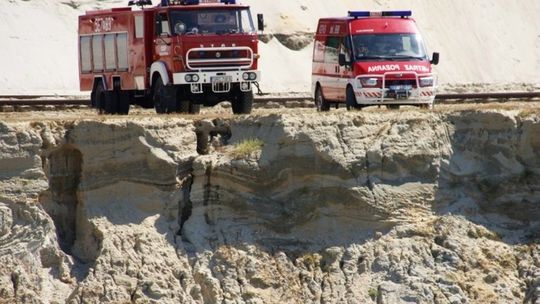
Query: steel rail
[{"x": 60, "y": 100}]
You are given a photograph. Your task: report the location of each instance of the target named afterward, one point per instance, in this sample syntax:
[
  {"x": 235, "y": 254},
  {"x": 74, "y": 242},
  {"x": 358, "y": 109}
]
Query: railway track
[{"x": 50, "y": 102}]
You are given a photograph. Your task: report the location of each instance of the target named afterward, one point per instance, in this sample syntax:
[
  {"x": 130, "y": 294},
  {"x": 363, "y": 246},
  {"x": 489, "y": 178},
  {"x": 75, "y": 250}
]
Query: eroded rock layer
[{"x": 390, "y": 207}]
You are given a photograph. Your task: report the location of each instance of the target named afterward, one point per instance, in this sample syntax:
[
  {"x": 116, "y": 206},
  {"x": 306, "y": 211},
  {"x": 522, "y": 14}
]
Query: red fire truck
[
  {"x": 175, "y": 56},
  {"x": 371, "y": 58}
]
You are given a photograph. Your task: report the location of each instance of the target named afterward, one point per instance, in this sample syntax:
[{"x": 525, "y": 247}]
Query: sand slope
[{"x": 496, "y": 42}]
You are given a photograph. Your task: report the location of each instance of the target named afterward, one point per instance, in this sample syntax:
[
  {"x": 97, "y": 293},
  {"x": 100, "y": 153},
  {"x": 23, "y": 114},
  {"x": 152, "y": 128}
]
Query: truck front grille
[{"x": 219, "y": 58}]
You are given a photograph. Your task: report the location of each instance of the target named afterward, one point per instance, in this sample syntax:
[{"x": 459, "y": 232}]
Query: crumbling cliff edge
[{"x": 391, "y": 207}]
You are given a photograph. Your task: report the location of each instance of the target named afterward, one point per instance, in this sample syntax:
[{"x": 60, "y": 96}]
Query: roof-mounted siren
[
  {"x": 197, "y": 2},
  {"x": 189, "y": 2},
  {"x": 140, "y": 3},
  {"x": 367, "y": 14}
]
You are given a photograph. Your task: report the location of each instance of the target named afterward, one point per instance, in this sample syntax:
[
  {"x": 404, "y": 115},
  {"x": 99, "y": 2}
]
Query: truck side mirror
[
  {"x": 435, "y": 59},
  {"x": 131, "y": 3},
  {"x": 342, "y": 60},
  {"x": 260, "y": 22}
]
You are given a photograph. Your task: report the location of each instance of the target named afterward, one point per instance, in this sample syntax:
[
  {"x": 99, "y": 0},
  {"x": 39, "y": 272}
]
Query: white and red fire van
[
  {"x": 175, "y": 56},
  {"x": 371, "y": 58}
]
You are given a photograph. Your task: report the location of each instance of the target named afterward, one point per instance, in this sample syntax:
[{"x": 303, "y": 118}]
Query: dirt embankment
[{"x": 386, "y": 207}]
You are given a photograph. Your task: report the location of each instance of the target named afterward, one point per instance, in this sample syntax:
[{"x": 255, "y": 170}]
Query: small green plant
[
  {"x": 246, "y": 147},
  {"x": 373, "y": 293}
]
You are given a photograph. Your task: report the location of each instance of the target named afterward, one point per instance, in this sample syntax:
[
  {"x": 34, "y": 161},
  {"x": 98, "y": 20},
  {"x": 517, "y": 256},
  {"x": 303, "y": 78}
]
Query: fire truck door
[
  {"x": 332, "y": 68},
  {"x": 344, "y": 72},
  {"x": 137, "y": 53},
  {"x": 162, "y": 40}
]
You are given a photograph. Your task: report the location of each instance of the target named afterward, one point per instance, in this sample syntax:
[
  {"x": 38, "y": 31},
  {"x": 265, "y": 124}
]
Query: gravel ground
[{"x": 224, "y": 111}]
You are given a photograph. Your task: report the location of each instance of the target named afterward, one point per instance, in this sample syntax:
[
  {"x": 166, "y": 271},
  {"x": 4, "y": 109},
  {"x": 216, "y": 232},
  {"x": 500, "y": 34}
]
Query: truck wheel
[
  {"x": 93, "y": 98},
  {"x": 392, "y": 107},
  {"x": 320, "y": 102},
  {"x": 164, "y": 101},
  {"x": 100, "y": 98},
  {"x": 243, "y": 103},
  {"x": 111, "y": 101},
  {"x": 123, "y": 103},
  {"x": 350, "y": 100}
]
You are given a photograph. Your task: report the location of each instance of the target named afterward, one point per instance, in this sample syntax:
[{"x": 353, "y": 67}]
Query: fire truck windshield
[
  {"x": 211, "y": 21},
  {"x": 388, "y": 47}
]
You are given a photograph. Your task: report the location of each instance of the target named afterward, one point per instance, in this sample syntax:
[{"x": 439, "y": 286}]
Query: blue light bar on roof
[
  {"x": 358, "y": 14},
  {"x": 397, "y": 13},
  {"x": 228, "y": 1},
  {"x": 189, "y": 2}
]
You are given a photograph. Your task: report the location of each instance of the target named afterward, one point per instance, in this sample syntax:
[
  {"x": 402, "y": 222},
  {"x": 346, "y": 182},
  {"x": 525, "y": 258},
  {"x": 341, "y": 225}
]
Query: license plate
[
  {"x": 402, "y": 87},
  {"x": 402, "y": 94},
  {"x": 216, "y": 79}
]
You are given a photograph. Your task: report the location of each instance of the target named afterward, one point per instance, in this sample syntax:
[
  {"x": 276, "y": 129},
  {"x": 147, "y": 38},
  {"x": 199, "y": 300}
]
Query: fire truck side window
[
  {"x": 331, "y": 50},
  {"x": 318, "y": 51},
  {"x": 346, "y": 48},
  {"x": 139, "y": 26},
  {"x": 162, "y": 25}
]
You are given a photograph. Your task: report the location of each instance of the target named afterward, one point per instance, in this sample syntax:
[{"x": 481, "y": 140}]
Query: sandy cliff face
[{"x": 391, "y": 207}]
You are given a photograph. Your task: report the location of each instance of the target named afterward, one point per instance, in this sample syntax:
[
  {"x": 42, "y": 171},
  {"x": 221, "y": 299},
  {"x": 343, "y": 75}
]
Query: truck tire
[
  {"x": 116, "y": 101},
  {"x": 123, "y": 103},
  {"x": 100, "y": 97},
  {"x": 111, "y": 102},
  {"x": 350, "y": 100},
  {"x": 320, "y": 102},
  {"x": 93, "y": 98},
  {"x": 243, "y": 103},
  {"x": 164, "y": 101}
]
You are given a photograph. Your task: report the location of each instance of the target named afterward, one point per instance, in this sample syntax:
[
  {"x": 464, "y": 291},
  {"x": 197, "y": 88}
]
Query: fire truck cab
[
  {"x": 371, "y": 58},
  {"x": 175, "y": 56}
]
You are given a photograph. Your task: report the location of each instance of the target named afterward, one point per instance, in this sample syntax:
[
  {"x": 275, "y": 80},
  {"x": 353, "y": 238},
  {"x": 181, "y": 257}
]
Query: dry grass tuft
[{"x": 246, "y": 148}]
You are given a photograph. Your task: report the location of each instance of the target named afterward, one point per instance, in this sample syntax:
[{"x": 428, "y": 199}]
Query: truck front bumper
[
  {"x": 398, "y": 94},
  {"x": 220, "y": 81}
]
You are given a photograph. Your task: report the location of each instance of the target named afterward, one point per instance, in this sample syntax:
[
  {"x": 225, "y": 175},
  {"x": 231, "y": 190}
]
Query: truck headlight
[
  {"x": 191, "y": 78},
  {"x": 426, "y": 81},
  {"x": 368, "y": 82},
  {"x": 249, "y": 76}
]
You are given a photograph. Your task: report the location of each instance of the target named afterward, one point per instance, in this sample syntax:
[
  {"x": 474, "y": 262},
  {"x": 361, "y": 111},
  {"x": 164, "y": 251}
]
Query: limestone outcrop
[{"x": 375, "y": 207}]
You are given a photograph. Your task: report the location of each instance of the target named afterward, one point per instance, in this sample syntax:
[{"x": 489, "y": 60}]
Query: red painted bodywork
[
  {"x": 347, "y": 26},
  {"x": 142, "y": 52}
]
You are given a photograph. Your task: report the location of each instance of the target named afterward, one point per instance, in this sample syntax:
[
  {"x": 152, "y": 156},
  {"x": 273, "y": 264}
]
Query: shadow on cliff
[{"x": 491, "y": 174}]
